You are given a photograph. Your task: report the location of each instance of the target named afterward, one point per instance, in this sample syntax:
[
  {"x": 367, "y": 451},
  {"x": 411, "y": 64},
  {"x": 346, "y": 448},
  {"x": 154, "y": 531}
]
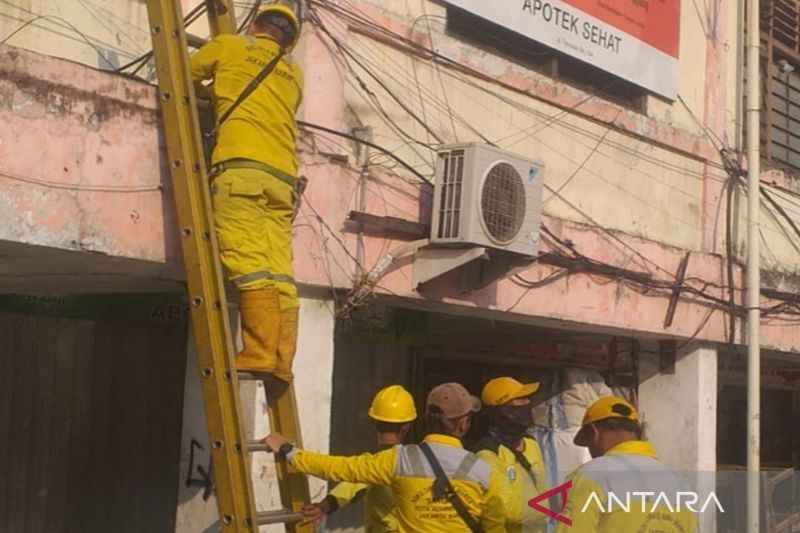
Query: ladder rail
[
  {"x": 213, "y": 339},
  {"x": 200, "y": 252},
  {"x": 221, "y": 16}
]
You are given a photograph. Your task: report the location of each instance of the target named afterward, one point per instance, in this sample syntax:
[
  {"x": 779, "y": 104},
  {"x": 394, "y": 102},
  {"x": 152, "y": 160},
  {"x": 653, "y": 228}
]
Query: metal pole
[
  {"x": 740, "y": 89},
  {"x": 753, "y": 268}
]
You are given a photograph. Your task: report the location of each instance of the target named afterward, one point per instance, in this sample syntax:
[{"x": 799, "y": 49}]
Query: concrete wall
[
  {"x": 690, "y": 391},
  {"x": 313, "y": 369},
  {"x": 102, "y": 34},
  {"x": 679, "y": 408},
  {"x": 649, "y": 179}
]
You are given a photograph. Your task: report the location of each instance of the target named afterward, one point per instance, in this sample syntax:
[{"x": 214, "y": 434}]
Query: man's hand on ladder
[{"x": 275, "y": 441}]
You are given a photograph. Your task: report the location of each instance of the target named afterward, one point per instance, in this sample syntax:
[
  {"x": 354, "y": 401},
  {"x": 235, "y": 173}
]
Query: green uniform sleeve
[
  {"x": 345, "y": 492},
  {"x": 372, "y": 469},
  {"x": 579, "y": 494},
  {"x": 493, "y": 517}
]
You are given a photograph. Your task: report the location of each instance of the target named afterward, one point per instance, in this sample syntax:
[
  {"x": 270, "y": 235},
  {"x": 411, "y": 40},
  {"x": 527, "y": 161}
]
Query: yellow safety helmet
[
  {"x": 393, "y": 404},
  {"x": 603, "y": 409},
  {"x": 286, "y": 13},
  {"x": 500, "y": 391}
]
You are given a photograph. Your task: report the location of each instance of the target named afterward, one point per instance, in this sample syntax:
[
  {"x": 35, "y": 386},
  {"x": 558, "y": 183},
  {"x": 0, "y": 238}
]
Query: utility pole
[{"x": 753, "y": 268}]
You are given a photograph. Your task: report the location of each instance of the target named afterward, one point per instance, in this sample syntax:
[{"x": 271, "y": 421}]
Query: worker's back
[
  {"x": 406, "y": 470},
  {"x": 470, "y": 477},
  {"x": 628, "y": 489},
  {"x": 263, "y": 127}
]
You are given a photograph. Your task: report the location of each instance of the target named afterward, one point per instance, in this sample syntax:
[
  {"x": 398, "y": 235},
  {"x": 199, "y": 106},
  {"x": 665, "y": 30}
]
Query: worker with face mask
[{"x": 514, "y": 456}]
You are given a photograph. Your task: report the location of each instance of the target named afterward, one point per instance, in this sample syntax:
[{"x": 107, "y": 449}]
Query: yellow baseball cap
[
  {"x": 603, "y": 409},
  {"x": 502, "y": 390}
]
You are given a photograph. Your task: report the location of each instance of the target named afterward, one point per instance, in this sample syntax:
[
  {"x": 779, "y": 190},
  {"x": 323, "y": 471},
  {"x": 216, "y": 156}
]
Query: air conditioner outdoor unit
[{"x": 486, "y": 197}]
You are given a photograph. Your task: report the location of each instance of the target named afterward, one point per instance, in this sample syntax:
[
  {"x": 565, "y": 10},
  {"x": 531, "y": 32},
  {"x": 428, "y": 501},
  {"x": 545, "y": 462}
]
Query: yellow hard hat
[
  {"x": 502, "y": 390},
  {"x": 393, "y": 404},
  {"x": 603, "y": 409},
  {"x": 286, "y": 12}
]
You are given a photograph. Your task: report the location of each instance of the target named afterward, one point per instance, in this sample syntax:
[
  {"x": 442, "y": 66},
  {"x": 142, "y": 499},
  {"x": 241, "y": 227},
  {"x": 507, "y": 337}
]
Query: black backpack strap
[
  {"x": 523, "y": 461},
  {"x": 252, "y": 86},
  {"x": 442, "y": 489}
]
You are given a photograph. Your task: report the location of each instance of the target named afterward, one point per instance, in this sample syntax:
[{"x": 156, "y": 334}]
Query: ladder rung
[
  {"x": 195, "y": 41},
  {"x": 247, "y": 376},
  {"x": 257, "y": 446},
  {"x": 278, "y": 517}
]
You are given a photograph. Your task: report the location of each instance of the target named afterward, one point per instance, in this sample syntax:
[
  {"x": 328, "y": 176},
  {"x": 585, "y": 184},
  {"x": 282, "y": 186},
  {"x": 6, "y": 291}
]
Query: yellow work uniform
[
  {"x": 516, "y": 483},
  {"x": 601, "y": 489},
  {"x": 253, "y": 208},
  {"x": 380, "y": 515},
  {"x": 405, "y": 469}
]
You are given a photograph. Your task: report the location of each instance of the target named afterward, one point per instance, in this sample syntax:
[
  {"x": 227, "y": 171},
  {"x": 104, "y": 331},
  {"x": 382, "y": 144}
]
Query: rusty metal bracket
[
  {"x": 680, "y": 276},
  {"x": 398, "y": 226}
]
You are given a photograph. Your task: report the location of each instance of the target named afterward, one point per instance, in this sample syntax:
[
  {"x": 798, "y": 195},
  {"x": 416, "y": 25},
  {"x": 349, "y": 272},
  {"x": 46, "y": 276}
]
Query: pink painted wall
[
  {"x": 80, "y": 169},
  {"x": 80, "y": 160}
]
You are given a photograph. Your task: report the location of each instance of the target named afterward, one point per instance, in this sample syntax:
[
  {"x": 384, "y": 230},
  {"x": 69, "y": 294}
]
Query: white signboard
[{"x": 637, "y": 40}]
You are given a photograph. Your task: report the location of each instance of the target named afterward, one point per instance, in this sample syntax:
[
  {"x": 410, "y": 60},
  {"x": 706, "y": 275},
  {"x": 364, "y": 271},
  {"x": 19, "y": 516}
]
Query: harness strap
[
  {"x": 442, "y": 488},
  {"x": 222, "y": 166}
]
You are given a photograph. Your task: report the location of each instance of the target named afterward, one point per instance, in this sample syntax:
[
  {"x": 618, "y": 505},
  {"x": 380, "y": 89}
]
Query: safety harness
[
  {"x": 234, "y": 163},
  {"x": 443, "y": 489}
]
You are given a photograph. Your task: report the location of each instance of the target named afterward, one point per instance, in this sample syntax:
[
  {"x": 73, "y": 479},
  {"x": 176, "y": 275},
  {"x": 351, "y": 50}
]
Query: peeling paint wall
[
  {"x": 651, "y": 178},
  {"x": 80, "y": 160}
]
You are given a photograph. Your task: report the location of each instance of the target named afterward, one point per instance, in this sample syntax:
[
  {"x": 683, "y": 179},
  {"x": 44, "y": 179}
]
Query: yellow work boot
[
  {"x": 287, "y": 345},
  {"x": 261, "y": 319}
]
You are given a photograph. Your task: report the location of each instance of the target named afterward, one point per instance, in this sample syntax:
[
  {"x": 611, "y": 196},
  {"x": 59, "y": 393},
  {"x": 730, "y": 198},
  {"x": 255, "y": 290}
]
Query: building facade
[{"x": 634, "y": 283}]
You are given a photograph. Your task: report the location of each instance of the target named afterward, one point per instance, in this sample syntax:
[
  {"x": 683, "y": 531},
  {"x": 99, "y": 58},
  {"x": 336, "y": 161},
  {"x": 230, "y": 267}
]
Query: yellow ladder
[{"x": 220, "y": 382}]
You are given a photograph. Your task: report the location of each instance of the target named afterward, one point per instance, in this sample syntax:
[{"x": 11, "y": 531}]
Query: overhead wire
[
  {"x": 68, "y": 24},
  {"x": 717, "y": 301},
  {"x": 190, "y": 17},
  {"x": 549, "y": 118},
  {"x": 641, "y": 199},
  {"x": 552, "y": 119}
]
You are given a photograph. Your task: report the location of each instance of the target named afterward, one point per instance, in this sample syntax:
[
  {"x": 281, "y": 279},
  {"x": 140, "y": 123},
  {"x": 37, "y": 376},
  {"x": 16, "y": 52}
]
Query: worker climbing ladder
[{"x": 220, "y": 382}]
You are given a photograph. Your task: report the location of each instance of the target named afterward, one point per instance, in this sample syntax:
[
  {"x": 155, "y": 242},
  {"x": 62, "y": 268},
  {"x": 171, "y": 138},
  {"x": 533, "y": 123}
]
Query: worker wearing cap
[
  {"x": 515, "y": 457},
  {"x": 626, "y": 465},
  {"x": 411, "y": 476},
  {"x": 254, "y": 165},
  {"x": 392, "y": 412}
]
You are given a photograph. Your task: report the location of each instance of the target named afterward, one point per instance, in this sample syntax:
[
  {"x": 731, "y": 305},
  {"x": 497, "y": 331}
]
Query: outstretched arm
[{"x": 372, "y": 469}]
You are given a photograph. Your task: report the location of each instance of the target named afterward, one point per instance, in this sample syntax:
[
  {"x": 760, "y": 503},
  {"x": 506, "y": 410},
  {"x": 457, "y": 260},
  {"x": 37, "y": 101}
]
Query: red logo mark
[{"x": 562, "y": 490}]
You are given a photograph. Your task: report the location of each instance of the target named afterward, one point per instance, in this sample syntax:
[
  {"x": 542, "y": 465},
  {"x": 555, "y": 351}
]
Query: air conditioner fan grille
[{"x": 503, "y": 203}]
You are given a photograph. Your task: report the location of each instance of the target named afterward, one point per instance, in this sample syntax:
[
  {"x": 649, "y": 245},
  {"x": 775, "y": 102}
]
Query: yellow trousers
[{"x": 253, "y": 216}]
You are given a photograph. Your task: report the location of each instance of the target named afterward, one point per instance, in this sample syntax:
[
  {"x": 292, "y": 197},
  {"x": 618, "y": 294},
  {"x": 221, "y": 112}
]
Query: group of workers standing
[{"x": 438, "y": 486}]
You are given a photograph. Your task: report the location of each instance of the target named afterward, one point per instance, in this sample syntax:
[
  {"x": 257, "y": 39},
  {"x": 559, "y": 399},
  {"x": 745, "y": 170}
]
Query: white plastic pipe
[{"x": 753, "y": 268}]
